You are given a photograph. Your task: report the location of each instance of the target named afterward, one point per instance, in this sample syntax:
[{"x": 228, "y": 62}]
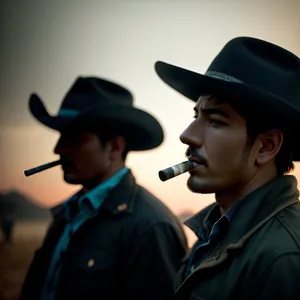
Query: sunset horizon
[{"x": 42, "y": 54}]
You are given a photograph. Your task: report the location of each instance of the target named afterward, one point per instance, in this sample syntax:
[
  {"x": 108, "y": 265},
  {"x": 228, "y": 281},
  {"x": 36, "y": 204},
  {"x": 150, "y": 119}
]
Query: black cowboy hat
[
  {"x": 264, "y": 78},
  {"x": 100, "y": 104}
]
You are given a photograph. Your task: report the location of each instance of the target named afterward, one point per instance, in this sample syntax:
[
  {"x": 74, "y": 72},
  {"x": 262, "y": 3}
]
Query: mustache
[
  {"x": 192, "y": 153},
  {"x": 65, "y": 160}
]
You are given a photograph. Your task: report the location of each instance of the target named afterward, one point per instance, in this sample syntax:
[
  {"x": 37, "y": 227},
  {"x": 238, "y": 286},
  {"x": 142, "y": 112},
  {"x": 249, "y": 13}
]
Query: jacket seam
[{"x": 288, "y": 228}]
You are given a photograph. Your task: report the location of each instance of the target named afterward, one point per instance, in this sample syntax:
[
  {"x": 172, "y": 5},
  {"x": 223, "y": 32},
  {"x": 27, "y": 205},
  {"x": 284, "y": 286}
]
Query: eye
[
  {"x": 74, "y": 140},
  {"x": 216, "y": 123}
]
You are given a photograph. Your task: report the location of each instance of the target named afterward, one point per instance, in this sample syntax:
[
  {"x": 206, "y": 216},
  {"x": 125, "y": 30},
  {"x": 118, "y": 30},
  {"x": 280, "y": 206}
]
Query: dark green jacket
[
  {"x": 131, "y": 249},
  {"x": 260, "y": 257}
]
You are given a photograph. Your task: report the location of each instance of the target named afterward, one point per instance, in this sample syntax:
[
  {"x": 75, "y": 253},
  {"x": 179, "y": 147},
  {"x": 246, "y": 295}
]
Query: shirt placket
[{"x": 205, "y": 248}]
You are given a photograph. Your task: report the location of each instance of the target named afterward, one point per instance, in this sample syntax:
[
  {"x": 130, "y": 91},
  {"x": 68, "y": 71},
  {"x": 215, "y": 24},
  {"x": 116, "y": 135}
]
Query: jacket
[
  {"x": 131, "y": 249},
  {"x": 260, "y": 255}
]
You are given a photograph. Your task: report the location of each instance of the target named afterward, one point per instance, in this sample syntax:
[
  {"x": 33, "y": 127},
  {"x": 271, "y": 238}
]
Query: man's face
[
  {"x": 217, "y": 139},
  {"x": 90, "y": 160}
]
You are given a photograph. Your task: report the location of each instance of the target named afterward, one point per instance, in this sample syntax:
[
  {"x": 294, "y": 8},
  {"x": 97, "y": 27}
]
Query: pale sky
[{"x": 46, "y": 45}]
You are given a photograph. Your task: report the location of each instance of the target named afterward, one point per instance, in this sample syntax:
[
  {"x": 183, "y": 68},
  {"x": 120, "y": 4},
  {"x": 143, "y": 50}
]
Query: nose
[
  {"x": 191, "y": 136},
  {"x": 59, "y": 147}
]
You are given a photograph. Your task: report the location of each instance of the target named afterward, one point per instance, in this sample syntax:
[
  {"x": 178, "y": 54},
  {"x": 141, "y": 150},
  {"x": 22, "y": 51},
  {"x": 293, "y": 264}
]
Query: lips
[
  {"x": 195, "y": 164},
  {"x": 67, "y": 164},
  {"x": 196, "y": 161},
  {"x": 66, "y": 167},
  {"x": 66, "y": 160}
]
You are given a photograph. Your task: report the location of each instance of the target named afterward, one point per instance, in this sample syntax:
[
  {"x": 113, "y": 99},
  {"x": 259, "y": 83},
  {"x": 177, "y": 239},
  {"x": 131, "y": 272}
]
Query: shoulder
[
  {"x": 276, "y": 244},
  {"x": 282, "y": 233},
  {"x": 288, "y": 222},
  {"x": 150, "y": 218},
  {"x": 152, "y": 209}
]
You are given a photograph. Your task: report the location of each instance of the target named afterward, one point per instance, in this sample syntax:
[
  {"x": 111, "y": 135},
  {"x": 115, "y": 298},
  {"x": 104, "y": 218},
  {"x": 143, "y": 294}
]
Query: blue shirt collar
[
  {"x": 100, "y": 191},
  {"x": 97, "y": 195},
  {"x": 202, "y": 223}
]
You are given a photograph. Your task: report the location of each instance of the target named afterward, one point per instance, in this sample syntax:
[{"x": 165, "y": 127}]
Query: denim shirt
[
  {"x": 87, "y": 206},
  {"x": 211, "y": 235}
]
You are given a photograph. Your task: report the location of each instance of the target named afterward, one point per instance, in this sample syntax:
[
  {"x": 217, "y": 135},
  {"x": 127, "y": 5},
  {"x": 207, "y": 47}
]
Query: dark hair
[
  {"x": 108, "y": 136},
  {"x": 108, "y": 131},
  {"x": 284, "y": 158},
  {"x": 258, "y": 124}
]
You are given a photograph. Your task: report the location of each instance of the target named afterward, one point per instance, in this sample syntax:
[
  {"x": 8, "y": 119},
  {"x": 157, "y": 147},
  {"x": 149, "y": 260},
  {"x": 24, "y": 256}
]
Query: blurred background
[{"x": 45, "y": 45}]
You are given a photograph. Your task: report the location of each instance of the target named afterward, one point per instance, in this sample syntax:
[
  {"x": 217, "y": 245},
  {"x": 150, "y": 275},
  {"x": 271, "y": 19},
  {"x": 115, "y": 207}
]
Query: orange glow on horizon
[{"x": 46, "y": 55}]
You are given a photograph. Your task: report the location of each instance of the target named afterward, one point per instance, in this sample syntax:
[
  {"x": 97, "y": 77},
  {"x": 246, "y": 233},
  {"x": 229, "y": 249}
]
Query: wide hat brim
[
  {"x": 192, "y": 85},
  {"x": 142, "y": 131}
]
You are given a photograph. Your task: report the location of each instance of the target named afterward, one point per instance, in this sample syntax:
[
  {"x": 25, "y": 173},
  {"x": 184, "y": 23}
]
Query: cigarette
[
  {"x": 41, "y": 168},
  {"x": 176, "y": 170}
]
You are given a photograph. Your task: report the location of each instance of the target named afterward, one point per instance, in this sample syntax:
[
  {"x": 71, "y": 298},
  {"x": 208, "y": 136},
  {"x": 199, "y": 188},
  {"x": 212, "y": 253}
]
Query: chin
[
  {"x": 199, "y": 186},
  {"x": 71, "y": 179}
]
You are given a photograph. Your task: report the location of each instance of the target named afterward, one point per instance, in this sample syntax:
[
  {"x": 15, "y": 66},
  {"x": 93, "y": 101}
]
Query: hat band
[
  {"x": 68, "y": 112},
  {"x": 222, "y": 76}
]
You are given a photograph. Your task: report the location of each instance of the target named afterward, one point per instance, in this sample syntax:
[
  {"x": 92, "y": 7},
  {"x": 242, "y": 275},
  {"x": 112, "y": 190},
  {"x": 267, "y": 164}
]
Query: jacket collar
[
  {"x": 261, "y": 205},
  {"x": 255, "y": 207},
  {"x": 255, "y": 210},
  {"x": 199, "y": 220},
  {"x": 122, "y": 198},
  {"x": 119, "y": 201}
]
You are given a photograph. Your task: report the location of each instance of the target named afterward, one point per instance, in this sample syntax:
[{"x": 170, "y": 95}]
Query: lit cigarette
[
  {"x": 176, "y": 170},
  {"x": 42, "y": 168}
]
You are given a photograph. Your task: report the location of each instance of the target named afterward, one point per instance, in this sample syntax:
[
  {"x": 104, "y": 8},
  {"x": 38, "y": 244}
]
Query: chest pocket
[{"x": 87, "y": 272}]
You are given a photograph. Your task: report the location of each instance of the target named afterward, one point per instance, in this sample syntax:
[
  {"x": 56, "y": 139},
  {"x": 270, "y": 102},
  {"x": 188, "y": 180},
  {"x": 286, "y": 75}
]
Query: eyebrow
[{"x": 212, "y": 111}]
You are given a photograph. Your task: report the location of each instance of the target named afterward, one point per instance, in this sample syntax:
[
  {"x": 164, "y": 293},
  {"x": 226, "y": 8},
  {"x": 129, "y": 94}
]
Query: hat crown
[
  {"x": 97, "y": 104},
  {"x": 260, "y": 64},
  {"x": 87, "y": 92}
]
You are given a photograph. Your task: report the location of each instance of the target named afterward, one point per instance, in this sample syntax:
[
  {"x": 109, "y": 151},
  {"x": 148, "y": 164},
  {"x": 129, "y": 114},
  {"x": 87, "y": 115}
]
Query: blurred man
[
  {"x": 244, "y": 139},
  {"x": 7, "y": 226},
  {"x": 113, "y": 239}
]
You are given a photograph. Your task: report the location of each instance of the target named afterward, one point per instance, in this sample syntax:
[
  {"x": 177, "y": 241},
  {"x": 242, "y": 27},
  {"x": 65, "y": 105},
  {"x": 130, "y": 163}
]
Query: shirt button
[
  {"x": 122, "y": 207},
  {"x": 90, "y": 262}
]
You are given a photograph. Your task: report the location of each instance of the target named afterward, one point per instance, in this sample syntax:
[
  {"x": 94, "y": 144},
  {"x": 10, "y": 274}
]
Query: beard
[
  {"x": 70, "y": 179},
  {"x": 210, "y": 183},
  {"x": 197, "y": 186}
]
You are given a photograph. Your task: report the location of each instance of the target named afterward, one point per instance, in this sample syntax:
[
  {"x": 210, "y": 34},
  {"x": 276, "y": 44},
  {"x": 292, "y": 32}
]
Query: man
[
  {"x": 112, "y": 239},
  {"x": 244, "y": 139},
  {"x": 7, "y": 226}
]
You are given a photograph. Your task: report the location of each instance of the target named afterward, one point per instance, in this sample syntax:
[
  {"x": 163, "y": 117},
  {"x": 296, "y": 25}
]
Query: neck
[
  {"x": 229, "y": 197},
  {"x": 100, "y": 179}
]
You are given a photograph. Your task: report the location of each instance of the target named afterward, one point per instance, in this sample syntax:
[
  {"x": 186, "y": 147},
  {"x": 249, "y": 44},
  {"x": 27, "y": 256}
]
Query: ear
[
  {"x": 117, "y": 147},
  {"x": 269, "y": 145}
]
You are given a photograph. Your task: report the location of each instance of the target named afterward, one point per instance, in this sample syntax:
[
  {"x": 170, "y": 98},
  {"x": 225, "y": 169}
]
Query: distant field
[{"x": 15, "y": 257}]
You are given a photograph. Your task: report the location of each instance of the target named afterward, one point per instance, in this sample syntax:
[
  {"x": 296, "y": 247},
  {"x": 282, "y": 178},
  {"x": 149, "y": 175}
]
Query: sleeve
[
  {"x": 153, "y": 263},
  {"x": 280, "y": 281}
]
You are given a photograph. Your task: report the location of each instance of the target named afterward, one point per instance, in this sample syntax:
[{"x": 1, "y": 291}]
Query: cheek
[
  {"x": 86, "y": 158},
  {"x": 97, "y": 158},
  {"x": 225, "y": 152}
]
